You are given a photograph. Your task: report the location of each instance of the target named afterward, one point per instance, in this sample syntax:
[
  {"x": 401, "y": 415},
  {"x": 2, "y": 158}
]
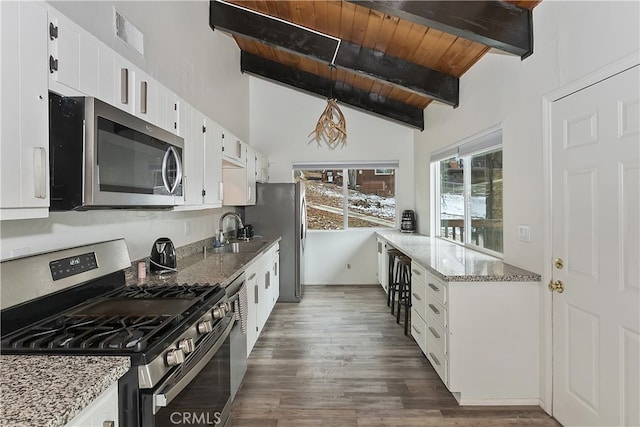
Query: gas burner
[{"x": 165, "y": 291}]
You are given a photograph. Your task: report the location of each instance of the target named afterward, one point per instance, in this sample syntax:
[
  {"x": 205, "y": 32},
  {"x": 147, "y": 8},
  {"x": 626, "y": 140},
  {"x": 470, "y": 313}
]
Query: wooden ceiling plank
[
  {"x": 345, "y": 93},
  {"x": 334, "y": 17},
  {"x": 399, "y": 72},
  {"x": 359, "y": 26},
  {"x": 347, "y": 17},
  {"x": 497, "y": 24},
  {"x": 388, "y": 31},
  {"x": 277, "y": 33},
  {"x": 372, "y": 33}
]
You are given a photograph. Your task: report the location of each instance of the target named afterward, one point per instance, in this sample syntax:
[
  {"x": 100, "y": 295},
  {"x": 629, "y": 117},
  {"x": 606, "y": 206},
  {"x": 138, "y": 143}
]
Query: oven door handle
[{"x": 161, "y": 400}]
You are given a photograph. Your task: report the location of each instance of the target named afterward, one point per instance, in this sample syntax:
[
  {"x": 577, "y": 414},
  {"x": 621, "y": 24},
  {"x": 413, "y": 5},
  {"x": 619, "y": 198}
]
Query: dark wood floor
[{"x": 339, "y": 359}]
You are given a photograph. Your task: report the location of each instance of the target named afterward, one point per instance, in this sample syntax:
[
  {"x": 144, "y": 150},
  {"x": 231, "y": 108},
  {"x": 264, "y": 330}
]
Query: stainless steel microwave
[{"x": 102, "y": 157}]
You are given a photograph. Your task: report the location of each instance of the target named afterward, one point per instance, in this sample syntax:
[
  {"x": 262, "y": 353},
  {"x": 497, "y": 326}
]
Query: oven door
[{"x": 198, "y": 392}]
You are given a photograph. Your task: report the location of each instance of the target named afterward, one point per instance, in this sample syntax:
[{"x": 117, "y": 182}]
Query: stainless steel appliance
[
  {"x": 281, "y": 210},
  {"x": 103, "y": 157},
  {"x": 163, "y": 256},
  {"x": 177, "y": 336},
  {"x": 408, "y": 223}
]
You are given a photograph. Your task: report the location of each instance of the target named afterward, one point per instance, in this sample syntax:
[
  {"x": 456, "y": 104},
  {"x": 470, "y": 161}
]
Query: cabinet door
[
  {"x": 100, "y": 412},
  {"x": 24, "y": 152},
  {"x": 233, "y": 150},
  {"x": 252, "y": 308},
  {"x": 276, "y": 274},
  {"x": 64, "y": 51},
  {"x": 193, "y": 154},
  {"x": 213, "y": 187},
  {"x": 251, "y": 175}
]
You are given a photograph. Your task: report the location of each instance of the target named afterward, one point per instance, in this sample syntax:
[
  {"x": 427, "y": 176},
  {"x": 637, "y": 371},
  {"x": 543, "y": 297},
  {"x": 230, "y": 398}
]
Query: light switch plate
[{"x": 524, "y": 233}]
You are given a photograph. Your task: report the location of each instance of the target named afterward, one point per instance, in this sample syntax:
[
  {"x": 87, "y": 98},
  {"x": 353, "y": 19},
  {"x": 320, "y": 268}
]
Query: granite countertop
[
  {"x": 455, "y": 263},
  {"x": 209, "y": 268},
  {"x": 51, "y": 390}
]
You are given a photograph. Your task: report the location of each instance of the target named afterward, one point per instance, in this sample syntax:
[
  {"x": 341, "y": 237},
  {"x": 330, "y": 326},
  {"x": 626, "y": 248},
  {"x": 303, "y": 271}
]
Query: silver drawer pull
[
  {"x": 416, "y": 296},
  {"x": 252, "y": 276},
  {"x": 416, "y": 272},
  {"x": 435, "y": 359},
  {"x": 434, "y": 309},
  {"x": 416, "y": 329},
  {"x": 434, "y": 332},
  {"x": 434, "y": 287}
]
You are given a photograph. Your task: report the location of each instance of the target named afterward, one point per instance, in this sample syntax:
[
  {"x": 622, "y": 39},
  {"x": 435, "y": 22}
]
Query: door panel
[{"x": 595, "y": 155}]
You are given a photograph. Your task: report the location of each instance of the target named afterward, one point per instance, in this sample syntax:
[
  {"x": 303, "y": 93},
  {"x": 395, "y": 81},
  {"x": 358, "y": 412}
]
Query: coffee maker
[
  {"x": 163, "y": 256},
  {"x": 408, "y": 223}
]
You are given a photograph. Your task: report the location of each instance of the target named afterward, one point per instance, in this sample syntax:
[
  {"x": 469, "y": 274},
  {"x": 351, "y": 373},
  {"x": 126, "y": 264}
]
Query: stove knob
[
  {"x": 175, "y": 357},
  {"x": 204, "y": 327},
  {"x": 219, "y": 312},
  {"x": 186, "y": 345},
  {"x": 227, "y": 306}
]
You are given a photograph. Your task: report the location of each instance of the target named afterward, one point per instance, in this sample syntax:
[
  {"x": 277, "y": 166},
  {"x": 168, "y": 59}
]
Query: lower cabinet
[
  {"x": 102, "y": 412},
  {"x": 263, "y": 290},
  {"x": 383, "y": 265},
  {"x": 480, "y": 337}
]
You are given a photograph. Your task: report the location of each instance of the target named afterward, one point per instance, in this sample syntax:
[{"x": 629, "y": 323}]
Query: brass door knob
[{"x": 557, "y": 286}]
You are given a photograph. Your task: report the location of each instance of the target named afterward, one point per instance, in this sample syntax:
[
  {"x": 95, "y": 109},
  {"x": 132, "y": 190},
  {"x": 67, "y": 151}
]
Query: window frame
[
  {"x": 485, "y": 142},
  {"x": 344, "y": 167}
]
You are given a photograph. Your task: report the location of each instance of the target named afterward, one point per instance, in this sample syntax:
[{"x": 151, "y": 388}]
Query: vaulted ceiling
[{"x": 389, "y": 58}]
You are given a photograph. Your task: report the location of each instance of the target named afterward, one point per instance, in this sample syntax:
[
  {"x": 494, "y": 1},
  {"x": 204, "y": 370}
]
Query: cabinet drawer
[
  {"x": 418, "y": 273},
  {"x": 419, "y": 330},
  {"x": 419, "y": 298},
  {"x": 440, "y": 364},
  {"x": 437, "y": 338},
  {"x": 437, "y": 311},
  {"x": 436, "y": 288}
]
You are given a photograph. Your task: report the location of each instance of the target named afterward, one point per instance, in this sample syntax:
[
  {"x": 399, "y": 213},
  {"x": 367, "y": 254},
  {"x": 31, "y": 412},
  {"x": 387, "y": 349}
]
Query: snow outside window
[
  {"x": 468, "y": 204},
  {"x": 349, "y": 197}
]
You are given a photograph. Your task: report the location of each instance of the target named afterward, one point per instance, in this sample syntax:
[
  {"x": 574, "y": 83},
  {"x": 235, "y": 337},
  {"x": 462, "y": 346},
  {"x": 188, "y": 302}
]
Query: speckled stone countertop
[
  {"x": 51, "y": 390},
  {"x": 210, "y": 268},
  {"x": 455, "y": 263}
]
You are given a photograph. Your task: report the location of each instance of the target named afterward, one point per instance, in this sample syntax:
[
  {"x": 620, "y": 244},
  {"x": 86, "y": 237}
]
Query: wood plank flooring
[{"x": 340, "y": 359}]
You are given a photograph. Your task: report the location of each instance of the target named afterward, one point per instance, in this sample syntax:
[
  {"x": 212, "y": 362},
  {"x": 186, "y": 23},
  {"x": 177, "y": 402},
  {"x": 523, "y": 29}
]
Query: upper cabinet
[
  {"x": 240, "y": 182},
  {"x": 24, "y": 152},
  {"x": 234, "y": 151}
]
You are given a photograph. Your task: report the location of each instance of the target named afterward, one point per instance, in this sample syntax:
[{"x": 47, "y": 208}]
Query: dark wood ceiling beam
[
  {"x": 497, "y": 24},
  {"x": 420, "y": 80},
  {"x": 347, "y": 94},
  {"x": 407, "y": 75},
  {"x": 274, "y": 32}
]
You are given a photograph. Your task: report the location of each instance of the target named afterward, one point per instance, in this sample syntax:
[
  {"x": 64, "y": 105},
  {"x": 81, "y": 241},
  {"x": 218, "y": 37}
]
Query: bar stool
[
  {"x": 392, "y": 279},
  {"x": 404, "y": 290}
]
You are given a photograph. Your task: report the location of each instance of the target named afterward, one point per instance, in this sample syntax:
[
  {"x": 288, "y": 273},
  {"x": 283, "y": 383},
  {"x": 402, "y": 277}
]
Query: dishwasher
[{"x": 237, "y": 296}]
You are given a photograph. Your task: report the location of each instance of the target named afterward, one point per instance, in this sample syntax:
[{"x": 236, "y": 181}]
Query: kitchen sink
[{"x": 240, "y": 248}]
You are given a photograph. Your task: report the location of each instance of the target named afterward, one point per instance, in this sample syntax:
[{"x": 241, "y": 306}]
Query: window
[
  {"x": 348, "y": 197},
  {"x": 469, "y": 187}
]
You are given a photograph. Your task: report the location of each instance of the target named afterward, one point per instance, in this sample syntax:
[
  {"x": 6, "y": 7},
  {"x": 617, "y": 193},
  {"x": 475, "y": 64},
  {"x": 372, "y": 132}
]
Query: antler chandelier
[{"x": 332, "y": 126}]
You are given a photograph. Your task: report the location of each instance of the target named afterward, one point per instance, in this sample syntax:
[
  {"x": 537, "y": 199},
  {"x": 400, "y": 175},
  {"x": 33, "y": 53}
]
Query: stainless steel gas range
[{"x": 75, "y": 302}]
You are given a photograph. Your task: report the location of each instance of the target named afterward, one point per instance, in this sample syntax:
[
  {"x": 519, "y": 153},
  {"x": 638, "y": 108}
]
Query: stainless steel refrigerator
[{"x": 281, "y": 210}]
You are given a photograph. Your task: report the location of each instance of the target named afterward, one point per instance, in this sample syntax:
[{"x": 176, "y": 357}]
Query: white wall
[
  {"x": 572, "y": 39},
  {"x": 181, "y": 51},
  {"x": 281, "y": 120},
  {"x": 184, "y": 54}
]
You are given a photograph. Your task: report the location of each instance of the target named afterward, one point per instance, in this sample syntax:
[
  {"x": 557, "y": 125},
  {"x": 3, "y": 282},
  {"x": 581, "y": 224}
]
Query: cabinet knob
[{"x": 108, "y": 424}]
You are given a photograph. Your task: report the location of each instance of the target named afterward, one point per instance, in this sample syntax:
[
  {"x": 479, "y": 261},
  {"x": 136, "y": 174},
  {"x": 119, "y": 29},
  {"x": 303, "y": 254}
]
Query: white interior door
[{"x": 596, "y": 233}]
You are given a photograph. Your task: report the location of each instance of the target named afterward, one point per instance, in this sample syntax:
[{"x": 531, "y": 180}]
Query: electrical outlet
[
  {"x": 187, "y": 228},
  {"x": 524, "y": 233}
]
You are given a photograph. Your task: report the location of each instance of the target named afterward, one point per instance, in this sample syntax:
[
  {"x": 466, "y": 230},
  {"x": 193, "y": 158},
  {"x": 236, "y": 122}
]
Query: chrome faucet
[{"x": 221, "y": 222}]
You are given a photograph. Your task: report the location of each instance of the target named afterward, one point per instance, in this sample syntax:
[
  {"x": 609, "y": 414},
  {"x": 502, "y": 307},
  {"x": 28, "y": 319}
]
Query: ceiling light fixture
[{"x": 332, "y": 126}]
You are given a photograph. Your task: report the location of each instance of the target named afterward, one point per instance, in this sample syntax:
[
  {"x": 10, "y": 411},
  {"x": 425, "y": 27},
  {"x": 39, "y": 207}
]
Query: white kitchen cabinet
[
  {"x": 480, "y": 337},
  {"x": 192, "y": 155},
  {"x": 213, "y": 186},
  {"x": 24, "y": 152},
  {"x": 240, "y": 182},
  {"x": 101, "y": 412},
  {"x": 262, "y": 167},
  {"x": 383, "y": 264},
  {"x": 263, "y": 290},
  {"x": 233, "y": 150}
]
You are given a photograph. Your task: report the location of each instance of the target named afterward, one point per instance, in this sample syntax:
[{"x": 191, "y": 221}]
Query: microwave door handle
[
  {"x": 165, "y": 179},
  {"x": 161, "y": 400}
]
